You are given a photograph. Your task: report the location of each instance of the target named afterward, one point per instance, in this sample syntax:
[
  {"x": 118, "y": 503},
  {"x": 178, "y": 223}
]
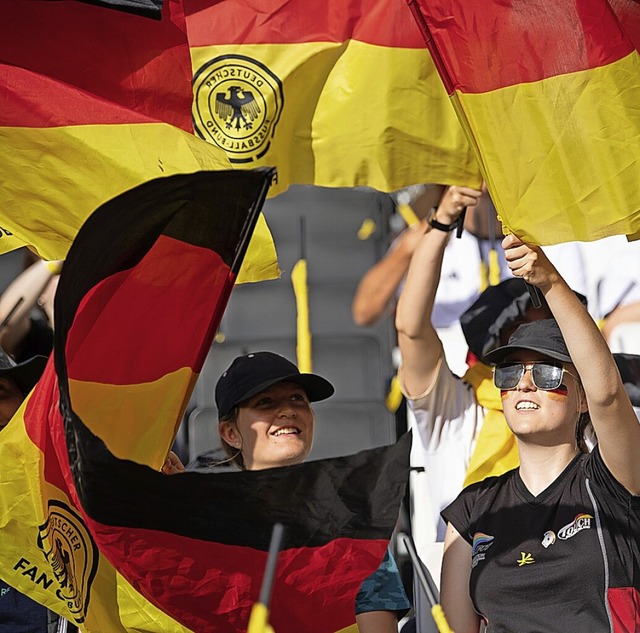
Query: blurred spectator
[
  {"x": 26, "y": 310},
  {"x": 471, "y": 261},
  {"x": 468, "y": 261},
  {"x": 618, "y": 291}
]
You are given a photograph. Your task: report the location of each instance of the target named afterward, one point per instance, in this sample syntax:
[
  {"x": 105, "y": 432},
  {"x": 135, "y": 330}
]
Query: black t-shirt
[{"x": 565, "y": 560}]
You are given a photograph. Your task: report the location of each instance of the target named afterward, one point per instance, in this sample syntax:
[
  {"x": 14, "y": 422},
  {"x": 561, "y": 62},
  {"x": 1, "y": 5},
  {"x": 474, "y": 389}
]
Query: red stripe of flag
[
  {"x": 486, "y": 47},
  {"x": 211, "y": 587},
  {"x": 387, "y": 23},
  {"x": 63, "y": 105},
  {"x": 108, "y": 308},
  {"x": 141, "y": 64},
  {"x": 628, "y": 13}
]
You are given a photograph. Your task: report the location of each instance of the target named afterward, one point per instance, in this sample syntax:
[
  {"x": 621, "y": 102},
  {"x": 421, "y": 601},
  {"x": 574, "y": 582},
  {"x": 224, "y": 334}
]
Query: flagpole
[
  {"x": 270, "y": 571},
  {"x": 259, "y": 618},
  {"x": 436, "y": 610}
]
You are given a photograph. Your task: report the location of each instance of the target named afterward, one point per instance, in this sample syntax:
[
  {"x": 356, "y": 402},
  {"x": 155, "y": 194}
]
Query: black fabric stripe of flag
[
  {"x": 144, "y": 8},
  {"x": 357, "y": 497}
]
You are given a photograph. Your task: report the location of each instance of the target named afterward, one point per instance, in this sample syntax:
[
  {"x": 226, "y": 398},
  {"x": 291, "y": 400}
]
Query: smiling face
[
  {"x": 543, "y": 417},
  {"x": 273, "y": 428},
  {"x": 10, "y": 400}
]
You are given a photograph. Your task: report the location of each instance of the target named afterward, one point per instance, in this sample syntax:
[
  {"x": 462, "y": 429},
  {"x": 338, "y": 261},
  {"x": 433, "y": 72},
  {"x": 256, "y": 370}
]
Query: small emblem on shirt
[
  {"x": 525, "y": 559},
  {"x": 481, "y": 543},
  {"x": 581, "y": 522},
  {"x": 549, "y": 538}
]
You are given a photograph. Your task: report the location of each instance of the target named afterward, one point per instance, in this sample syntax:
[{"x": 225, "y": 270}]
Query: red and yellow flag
[
  {"x": 332, "y": 93},
  {"x": 89, "y": 525},
  {"x": 549, "y": 93},
  {"x": 95, "y": 101}
]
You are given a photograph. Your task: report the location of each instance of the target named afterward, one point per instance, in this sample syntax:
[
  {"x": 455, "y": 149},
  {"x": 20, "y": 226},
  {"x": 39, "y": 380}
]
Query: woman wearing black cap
[
  {"x": 264, "y": 412},
  {"x": 266, "y": 421},
  {"x": 554, "y": 544}
]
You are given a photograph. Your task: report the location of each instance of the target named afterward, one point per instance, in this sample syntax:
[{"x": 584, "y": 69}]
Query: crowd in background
[{"x": 455, "y": 294}]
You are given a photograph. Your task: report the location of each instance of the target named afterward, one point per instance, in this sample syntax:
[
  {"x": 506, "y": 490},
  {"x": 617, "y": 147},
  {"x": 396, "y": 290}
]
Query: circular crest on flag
[
  {"x": 70, "y": 550},
  {"x": 237, "y": 103}
]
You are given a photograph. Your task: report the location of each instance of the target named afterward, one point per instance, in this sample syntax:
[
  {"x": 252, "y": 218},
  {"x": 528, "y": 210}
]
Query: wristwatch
[{"x": 447, "y": 228}]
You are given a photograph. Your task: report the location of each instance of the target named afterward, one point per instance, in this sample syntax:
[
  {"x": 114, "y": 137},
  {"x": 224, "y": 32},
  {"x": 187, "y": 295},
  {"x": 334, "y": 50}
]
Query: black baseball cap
[
  {"x": 253, "y": 373},
  {"x": 25, "y": 374},
  {"x": 541, "y": 336},
  {"x": 496, "y": 308}
]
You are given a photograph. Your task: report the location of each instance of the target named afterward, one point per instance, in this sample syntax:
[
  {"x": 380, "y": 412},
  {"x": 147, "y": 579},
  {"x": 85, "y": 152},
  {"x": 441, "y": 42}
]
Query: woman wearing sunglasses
[{"x": 554, "y": 544}]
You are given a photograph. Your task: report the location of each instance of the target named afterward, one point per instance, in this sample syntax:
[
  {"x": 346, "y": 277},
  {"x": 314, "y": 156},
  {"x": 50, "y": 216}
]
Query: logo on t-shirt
[
  {"x": 549, "y": 538},
  {"x": 581, "y": 522},
  {"x": 525, "y": 559},
  {"x": 481, "y": 543}
]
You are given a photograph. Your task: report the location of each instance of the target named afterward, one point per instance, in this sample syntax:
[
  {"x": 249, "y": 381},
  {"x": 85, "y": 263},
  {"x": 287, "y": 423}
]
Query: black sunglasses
[{"x": 545, "y": 376}]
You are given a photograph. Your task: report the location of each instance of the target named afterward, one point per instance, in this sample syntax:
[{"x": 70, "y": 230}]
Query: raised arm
[
  {"x": 611, "y": 413},
  {"x": 377, "y": 288},
  {"x": 419, "y": 344},
  {"x": 20, "y": 297}
]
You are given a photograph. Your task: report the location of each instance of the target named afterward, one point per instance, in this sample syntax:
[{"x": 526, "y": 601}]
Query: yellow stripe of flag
[
  {"x": 561, "y": 121},
  {"x": 126, "y": 406},
  {"x": 56, "y": 177},
  {"x": 116, "y": 607},
  {"x": 350, "y": 114}
]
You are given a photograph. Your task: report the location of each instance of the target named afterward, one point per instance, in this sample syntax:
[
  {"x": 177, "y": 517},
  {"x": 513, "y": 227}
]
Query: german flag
[
  {"x": 549, "y": 94},
  {"x": 332, "y": 93},
  {"x": 89, "y": 525},
  {"x": 95, "y": 102}
]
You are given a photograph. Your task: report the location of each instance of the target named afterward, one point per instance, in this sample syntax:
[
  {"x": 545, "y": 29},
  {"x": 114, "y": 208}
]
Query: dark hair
[
  {"x": 583, "y": 424},
  {"x": 234, "y": 455},
  {"x": 584, "y": 427}
]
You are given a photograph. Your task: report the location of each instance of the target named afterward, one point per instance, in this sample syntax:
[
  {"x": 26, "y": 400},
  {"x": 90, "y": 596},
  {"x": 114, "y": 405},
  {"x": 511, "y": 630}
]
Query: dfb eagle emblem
[{"x": 240, "y": 106}]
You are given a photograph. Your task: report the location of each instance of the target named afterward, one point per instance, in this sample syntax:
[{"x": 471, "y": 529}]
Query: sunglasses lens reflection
[{"x": 544, "y": 375}]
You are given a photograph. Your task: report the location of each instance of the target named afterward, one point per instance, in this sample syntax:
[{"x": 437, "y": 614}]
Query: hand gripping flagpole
[
  {"x": 259, "y": 618},
  {"x": 436, "y": 610}
]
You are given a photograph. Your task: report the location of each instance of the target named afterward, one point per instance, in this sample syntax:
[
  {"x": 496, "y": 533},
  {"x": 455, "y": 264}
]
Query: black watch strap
[{"x": 447, "y": 228}]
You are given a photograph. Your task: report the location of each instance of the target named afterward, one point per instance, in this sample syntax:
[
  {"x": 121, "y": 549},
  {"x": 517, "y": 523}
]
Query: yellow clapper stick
[{"x": 436, "y": 610}]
